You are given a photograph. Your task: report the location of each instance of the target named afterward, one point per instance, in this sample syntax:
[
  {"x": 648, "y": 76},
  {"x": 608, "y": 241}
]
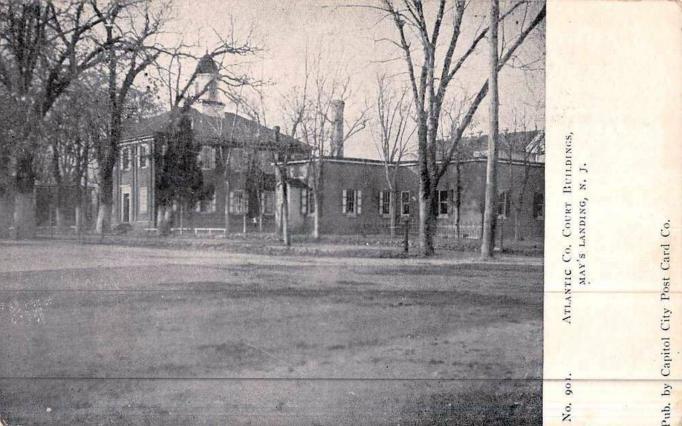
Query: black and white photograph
[{"x": 232, "y": 212}]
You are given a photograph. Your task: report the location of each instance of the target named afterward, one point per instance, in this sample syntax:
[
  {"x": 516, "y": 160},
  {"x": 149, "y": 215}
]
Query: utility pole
[{"x": 488, "y": 242}]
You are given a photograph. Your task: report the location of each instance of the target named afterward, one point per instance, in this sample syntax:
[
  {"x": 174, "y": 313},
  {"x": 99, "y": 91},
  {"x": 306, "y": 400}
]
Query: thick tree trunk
[
  {"x": 59, "y": 218},
  {"x": 6, "y": 212},
  {"x": 106, "y": 202},
  {"x": 24, "y": 215},
  {"x": 59, "y": 209},
  {"x": 78, "y": 218},
  {"x": 487, "y": 241},
  {"x": 103, "y": 218},
  {"x": 24, "y": 200},
  {"x": 316, "y": 217},
  {"x": 427, "y": 220}
]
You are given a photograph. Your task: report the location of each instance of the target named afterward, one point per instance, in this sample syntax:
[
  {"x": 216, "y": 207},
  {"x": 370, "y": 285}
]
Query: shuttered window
[
  {"x": 405, "y": 203},
  {"x": 384, "y": 203},
  {"x": 351, "y": 202},
  {"x": 239, "y": 202},
  {"x": 143, "y": 201},
  {"x": 142, "y": 156},
  {"x": 304, "y": 202}
]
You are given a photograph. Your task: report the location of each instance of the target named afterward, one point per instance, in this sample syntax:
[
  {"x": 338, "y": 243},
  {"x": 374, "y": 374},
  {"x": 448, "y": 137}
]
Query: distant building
[{"x": 355, "y": 197}]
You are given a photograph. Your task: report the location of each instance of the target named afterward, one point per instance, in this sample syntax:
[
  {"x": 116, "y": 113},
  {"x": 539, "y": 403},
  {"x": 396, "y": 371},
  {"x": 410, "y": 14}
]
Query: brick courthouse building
[
  {"x": 242, "y": 179},
  {"x": 355, "y": 197}
]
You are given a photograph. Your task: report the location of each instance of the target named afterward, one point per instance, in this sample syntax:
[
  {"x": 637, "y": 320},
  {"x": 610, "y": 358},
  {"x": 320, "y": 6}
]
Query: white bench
[{"x": 208, "y": 231}]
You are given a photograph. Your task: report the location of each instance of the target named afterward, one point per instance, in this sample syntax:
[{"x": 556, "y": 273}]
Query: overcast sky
[{"x": 353, "y": 40}]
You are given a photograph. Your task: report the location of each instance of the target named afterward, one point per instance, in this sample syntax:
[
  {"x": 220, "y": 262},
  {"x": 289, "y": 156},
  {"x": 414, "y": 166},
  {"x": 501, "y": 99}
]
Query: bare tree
[
  {"x": 430, "y": 71},
  {"x": 130, "y": 34},
  {"x": 44, "y": 46},
  {"x": 490, "y": 212},
  {"x": 522, "y": 147},
  {"x": 311, "y": 113},
  {"x": 392, "y": 137}
]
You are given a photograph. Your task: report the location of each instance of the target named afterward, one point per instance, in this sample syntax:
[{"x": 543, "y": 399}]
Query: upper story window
[
  {"x": 351, "y": 202},
  {"x": 143, "y": 156},
  {"x": 207, "y": 157},
  {"x": 444, "y": 202},
  {"x": 125, "y": 158}
]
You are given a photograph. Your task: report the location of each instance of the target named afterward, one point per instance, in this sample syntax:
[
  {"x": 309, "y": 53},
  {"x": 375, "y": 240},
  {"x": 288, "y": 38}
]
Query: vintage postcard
[{"x": 382, "y": 212}]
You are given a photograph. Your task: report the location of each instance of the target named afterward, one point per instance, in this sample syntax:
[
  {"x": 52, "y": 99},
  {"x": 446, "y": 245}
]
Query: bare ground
[{"x": 126, "y": 335}]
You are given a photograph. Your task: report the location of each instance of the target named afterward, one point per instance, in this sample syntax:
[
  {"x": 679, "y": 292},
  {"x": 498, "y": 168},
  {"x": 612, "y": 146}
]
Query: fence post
[{"x": 406, "y": 235}]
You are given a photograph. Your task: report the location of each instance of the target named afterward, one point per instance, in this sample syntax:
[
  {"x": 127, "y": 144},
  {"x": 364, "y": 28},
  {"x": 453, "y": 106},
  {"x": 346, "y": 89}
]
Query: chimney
[{"x": 337, "y": 129}]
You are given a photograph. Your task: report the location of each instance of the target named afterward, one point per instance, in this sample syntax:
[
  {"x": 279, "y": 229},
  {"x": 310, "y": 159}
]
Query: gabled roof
[
  {"x": 519, "y": 142},
  {"x": 229, "y": 130}
]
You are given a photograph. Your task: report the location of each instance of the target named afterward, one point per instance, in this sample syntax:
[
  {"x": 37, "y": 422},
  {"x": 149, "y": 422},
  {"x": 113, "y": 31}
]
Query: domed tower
[{"x": 207, "y": 79}]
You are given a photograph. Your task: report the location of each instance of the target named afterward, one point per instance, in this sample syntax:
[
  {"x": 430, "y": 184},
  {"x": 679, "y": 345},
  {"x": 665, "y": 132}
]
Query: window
[
  {"x": 351, "y": 200},
  {"x": 304, "y": 201},
  {"x": 206, "y": 206},
  {"x": 142, "y": 156},
  {"x": 268, "y": 203},
  {"x": 307, "y": 202},
  {"x": 443, "y": 202},
  {"x": 405, "y": 203},
  {"x": 311, "y": 202},
  {"x": 207, "y": 158},
  {"x": 239, "y": 202},
  {"x": 384, "y": 203},
  {"x": 143, "y": 201},
  {"x": 238, "y": 160},
  {"x": 539, "y": 205},
  {"x": 125, "y": 159},
  {"x": 503, "y": 204}
]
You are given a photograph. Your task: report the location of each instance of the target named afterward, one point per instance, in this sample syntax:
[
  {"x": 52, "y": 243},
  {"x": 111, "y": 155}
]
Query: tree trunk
[
  {"x": 6, "y": 212},
  {"x": 488, "y": 243},
  {"x": 285, "y": 214},
  {"x": 78, "y": 218},
  {"x": 59, "y": 218},
  {"x": 59, "y": 210},
  {"x": 316, "y": 217},
  {"x": 24, "y": 199},
  {"x": 24, "y": 215},
  {"x": 458, "y": 199},
  {"x": 427, "y": 219},
  {"x": 163, "y": 220},
  {"x": 392, "y": 212},
  {"x": 106, "y": 202},
  {"x": 227, "y": 207}
]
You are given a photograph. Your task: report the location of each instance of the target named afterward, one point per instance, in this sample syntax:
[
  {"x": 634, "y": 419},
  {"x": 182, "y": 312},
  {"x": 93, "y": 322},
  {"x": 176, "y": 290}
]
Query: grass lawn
[{"x": 103, "y": 334}]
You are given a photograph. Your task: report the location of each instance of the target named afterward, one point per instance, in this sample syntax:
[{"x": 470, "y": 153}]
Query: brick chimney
[{"x": 337, "y": 129}]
